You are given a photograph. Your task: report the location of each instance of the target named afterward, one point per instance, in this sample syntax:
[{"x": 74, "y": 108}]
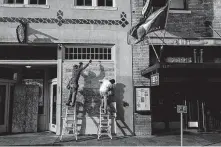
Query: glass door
[
  {"x": 53, "y": 103},
  {"x": 4, "y": 106}
]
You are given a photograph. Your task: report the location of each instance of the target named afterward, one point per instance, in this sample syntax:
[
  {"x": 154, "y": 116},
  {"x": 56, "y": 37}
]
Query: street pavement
[{"x": 50, "y": 139}]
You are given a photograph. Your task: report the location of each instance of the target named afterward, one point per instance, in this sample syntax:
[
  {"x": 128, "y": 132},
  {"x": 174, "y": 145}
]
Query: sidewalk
[{"x": 50, "y": 139}]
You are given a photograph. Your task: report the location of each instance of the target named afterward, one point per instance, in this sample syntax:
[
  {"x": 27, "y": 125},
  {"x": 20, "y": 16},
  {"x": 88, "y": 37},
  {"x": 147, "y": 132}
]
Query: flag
[
  {"x": 156, "y": 21},
  {"x": 147, "y": 9}
]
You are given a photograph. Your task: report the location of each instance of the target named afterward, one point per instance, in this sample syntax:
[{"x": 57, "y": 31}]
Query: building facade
[
  {"x": 187, "y": 72},
  {"x": 40, "y": 42}
]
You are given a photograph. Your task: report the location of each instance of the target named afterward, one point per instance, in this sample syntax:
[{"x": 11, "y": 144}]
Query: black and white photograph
[{"x": 110, "y": 72}]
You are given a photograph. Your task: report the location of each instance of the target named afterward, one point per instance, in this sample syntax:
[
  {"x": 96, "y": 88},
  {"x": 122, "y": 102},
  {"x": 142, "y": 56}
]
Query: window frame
[
  {"x": 112, "y": 53},
  {"x": 84, "y": 3},
  {"x": 36, "y": 4},
  {"x": 26, "y": 4},
  {"x": 95, "y": 4},
  {"x": 184, "y": 4}
]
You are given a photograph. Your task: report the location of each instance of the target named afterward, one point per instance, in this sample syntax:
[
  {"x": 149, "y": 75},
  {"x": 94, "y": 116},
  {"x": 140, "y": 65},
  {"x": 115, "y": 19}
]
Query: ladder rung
[
  {"x": 69, "y": 128},
  {"x": 70, "y": 113},
  {"x": 70, "y": 121},
  {"x": 104, "y": 126},
  {"x": 107, "y": 115}
]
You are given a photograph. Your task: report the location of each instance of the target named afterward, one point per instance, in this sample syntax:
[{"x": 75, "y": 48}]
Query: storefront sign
[
  {"x": 142, "y": 99},
  {"x": 178, "y": 60},
  {"x": 154, "y": 79}
]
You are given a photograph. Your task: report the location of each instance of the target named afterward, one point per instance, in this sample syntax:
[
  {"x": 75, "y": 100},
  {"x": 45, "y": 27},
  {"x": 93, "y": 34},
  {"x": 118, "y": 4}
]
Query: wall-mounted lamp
[{"x": 28, "y": 66}]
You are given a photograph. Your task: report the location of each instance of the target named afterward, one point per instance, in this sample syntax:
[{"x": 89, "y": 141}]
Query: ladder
[
  {"x": 104, "y": 127},
  {"x": 70, "y": 121}
]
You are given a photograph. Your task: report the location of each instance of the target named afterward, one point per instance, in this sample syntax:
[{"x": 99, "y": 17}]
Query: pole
[
  {"x": 153, "y": 49},
  {"x": 181, "y": 128}
]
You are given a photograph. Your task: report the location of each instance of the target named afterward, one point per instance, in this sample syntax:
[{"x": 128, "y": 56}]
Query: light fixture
[{"x": 28, "y": 66}]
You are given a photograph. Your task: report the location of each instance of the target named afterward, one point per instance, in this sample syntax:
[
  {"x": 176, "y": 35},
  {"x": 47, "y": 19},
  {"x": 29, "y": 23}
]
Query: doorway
[
  {"x": 6, "y": 95},
  {"x": 53, "y": 103}
]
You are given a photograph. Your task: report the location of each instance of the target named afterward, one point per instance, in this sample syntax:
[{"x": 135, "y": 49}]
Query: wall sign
[
  {"x": 142, "y": 99},
  {"x": 21, "y": 32},
  {"x": 178, "y": 60}
]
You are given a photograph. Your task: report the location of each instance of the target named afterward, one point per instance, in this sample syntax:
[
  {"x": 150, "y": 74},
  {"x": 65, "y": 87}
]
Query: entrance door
[
  {"x": 53, "y": 103},
  {"x": 4, "y": 107}
]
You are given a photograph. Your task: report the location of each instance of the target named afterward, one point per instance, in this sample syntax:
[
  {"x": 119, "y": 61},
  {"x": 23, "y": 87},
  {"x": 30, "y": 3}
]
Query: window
[
  {"x": 26, "y": 2},
  {"x": 174, "y": 5},
  {"x": 84, "y": 2},
  {"x": 14, "y": 1},
  {"x": 106, "y": 3},
  {"x": 178, "y": 4},
  {"x": 37, "y": 2},
  {"x": 85, "y": 53}
]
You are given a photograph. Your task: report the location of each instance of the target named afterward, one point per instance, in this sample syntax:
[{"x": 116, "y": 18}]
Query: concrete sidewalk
[{"x": 50, "y": 139}]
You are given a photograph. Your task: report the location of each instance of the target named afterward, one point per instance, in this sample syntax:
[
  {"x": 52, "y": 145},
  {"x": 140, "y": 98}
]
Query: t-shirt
[{"x": 105, "y": 87}]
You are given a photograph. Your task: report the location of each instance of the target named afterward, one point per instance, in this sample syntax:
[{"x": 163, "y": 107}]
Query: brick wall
[
  {"x": 181, "y": 25},
  {"x": 142, "y": 123},
  {"x": 191, "y": 25}
]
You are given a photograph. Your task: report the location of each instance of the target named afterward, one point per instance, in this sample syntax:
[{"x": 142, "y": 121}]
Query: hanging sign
[{"x": 154, "y": 79}]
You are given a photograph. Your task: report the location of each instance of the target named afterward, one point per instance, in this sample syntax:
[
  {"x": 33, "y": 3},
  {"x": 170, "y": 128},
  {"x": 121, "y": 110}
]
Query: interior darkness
[
  {"x": 28, "y": 53},
  {"x": 190, "y": 85}
]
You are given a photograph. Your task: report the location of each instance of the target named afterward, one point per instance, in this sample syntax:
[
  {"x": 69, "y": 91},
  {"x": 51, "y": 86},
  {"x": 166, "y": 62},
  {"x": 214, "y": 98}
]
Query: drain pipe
[
  {"x": 194, "y": 55},
  {"x": 201, "y": 55}
]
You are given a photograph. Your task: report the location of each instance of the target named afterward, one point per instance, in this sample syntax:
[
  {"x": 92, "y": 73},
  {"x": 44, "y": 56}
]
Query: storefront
[
  {"x": 185, "y": 75},
  {"x": 26, "y": 79}
]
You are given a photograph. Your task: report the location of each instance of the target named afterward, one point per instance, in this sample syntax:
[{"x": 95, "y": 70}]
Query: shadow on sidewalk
[{"x": 173, "y": 132}]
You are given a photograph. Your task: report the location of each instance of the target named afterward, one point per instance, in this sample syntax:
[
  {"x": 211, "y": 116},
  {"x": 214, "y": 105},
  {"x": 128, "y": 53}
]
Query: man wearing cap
[{"x": 73, "y": 83}]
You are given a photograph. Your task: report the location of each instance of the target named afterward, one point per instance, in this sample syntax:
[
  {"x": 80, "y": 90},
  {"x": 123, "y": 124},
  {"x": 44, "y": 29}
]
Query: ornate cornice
[{"x": 60, "y": 20}]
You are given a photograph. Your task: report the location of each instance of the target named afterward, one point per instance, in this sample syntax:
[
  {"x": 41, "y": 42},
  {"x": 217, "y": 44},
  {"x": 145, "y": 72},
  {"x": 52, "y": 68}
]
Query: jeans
[{"x": 73, "y": 95}]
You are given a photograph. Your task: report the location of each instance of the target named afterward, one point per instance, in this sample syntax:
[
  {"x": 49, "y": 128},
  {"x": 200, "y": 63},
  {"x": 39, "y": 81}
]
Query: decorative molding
[{"x": 60, "y": 20}]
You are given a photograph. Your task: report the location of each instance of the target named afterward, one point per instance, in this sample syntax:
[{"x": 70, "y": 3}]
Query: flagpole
[
  {"x": 164, "y": 34},
  {"x": 160, "y": 38},
  {"x": 214, "y": 31},
  {"x": 153, "y": 48}
]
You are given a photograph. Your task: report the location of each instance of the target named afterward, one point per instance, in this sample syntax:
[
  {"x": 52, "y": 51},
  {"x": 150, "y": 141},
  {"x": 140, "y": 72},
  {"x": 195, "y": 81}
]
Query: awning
[{"x": 180, "y": 66}]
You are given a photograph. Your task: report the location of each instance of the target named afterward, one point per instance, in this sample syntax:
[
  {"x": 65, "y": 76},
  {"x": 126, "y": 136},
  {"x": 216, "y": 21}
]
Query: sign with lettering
[
  {"x": 181, "y": 109},
  {"x": 155, "y": 79},
  {"x": 142, "y": 99},
  {"x": 178, "y": 60}
]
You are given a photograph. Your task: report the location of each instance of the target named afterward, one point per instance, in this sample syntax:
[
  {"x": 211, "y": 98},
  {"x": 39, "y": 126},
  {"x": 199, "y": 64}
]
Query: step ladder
[
  {"x": 70, "y": 122},
  {"x": 104, "y": 127}
]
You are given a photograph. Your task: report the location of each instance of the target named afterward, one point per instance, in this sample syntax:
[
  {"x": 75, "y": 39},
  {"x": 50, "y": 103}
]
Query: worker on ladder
[
  {"x": 106, "y": 90},
  {"x": 70, "y": 116},
  {"x": 73, "y": 83}
]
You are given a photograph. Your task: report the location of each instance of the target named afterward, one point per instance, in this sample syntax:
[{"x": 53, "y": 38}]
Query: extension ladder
[
  {"x": 104, "y": 127},
  {"x": 70, "y": 121}
]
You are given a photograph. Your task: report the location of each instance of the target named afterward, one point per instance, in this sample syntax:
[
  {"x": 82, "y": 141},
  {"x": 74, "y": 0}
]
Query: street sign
[{"x": 181, "y": 109}]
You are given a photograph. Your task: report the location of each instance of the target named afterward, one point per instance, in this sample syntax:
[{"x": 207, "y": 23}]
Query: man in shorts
[{"x": 106, "y": 90}]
